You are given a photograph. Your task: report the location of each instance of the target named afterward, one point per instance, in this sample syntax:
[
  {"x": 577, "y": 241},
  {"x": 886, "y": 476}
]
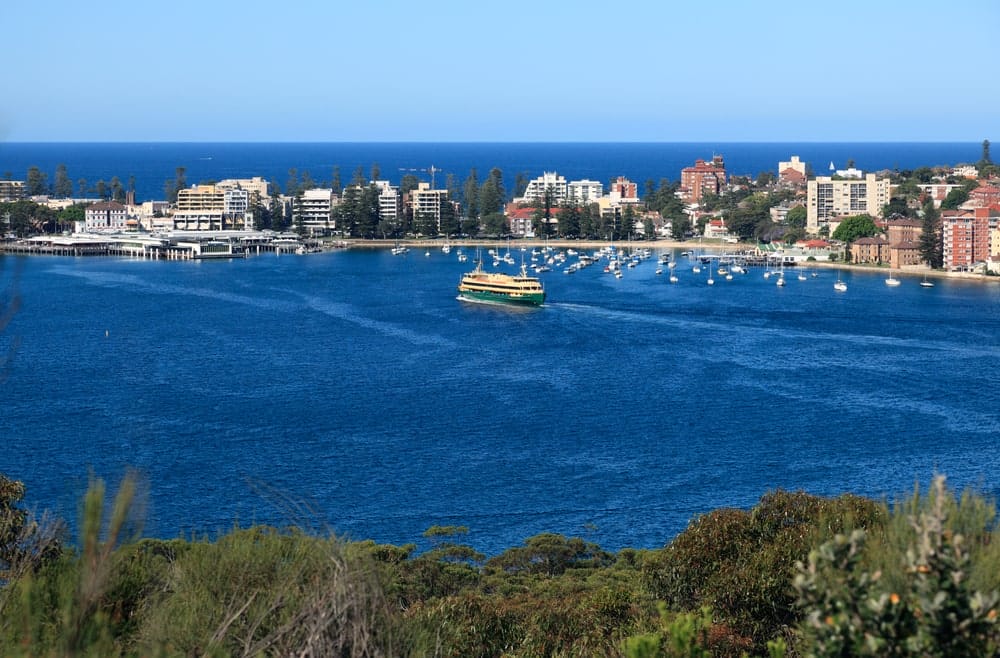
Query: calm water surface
[{"x": 352, "y": 390}]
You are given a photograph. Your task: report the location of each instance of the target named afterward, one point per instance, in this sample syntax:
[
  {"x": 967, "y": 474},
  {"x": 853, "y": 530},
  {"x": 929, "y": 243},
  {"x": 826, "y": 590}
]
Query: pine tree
[
  {"x": 471, "y": 195},
  {"x": 63, "y": 186},
  {"x": 931, "y": 240}
]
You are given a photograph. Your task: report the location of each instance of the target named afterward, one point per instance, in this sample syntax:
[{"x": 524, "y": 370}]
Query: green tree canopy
[
  {"x": 796, "y": 217},
  {"x": 854, "y": 227},
  {"x": 896, "y": 206}
]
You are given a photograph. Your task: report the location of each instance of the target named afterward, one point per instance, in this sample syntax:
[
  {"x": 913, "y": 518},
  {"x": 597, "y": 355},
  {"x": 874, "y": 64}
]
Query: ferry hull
[{"x": 526, "y": 299}]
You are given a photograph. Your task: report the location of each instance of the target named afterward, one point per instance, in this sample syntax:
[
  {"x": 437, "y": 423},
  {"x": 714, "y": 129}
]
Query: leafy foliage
[
  {"x": 739, "y": 562},
  {"x": 852, "y": 611},
  {"x": 854, "y": 227}
]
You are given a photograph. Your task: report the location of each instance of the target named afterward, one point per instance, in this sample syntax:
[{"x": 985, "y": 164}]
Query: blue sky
[{"x": 647, "y": 70}]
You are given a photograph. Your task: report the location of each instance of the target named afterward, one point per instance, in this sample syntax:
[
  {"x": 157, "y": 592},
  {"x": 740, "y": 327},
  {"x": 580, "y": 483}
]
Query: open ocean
[
  {"x": 153, "y": 164},
  {"x": 352, "y": 391}
]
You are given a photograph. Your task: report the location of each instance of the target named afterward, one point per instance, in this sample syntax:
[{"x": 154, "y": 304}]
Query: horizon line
[{"x": 557, "y": 141}]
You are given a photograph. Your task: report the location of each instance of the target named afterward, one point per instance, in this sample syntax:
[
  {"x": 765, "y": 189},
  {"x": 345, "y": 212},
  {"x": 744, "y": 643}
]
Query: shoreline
[{"x": 415, "y": 243}]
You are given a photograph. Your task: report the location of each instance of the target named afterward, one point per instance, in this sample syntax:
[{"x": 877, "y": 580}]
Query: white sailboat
[
  {"x": 892, "y": 281},
  {"x": 839, "y": 286},
  {"x": 925, "y": 283}
]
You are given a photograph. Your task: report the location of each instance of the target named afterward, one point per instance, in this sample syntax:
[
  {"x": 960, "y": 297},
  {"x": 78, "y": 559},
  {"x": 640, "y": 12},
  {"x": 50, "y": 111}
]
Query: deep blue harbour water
[
  {"x": 356, "y": 384},
  {"x": 154, "y": 163}
]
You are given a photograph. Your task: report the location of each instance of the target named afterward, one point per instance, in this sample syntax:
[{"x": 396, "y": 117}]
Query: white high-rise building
[
  {"x": 829, "y": 198},
  {"x": 584, "y": 191},
  {"x": 389, "y": 202},
  {"x": 314, "y": 210},
  {"x": 427, "y": 202},
  {"x": 549, "y": 180}
]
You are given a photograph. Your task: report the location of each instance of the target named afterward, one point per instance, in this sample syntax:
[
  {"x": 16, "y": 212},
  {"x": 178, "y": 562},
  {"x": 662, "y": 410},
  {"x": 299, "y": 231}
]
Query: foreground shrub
[
  {"x": 591, "y": 623},
  {"x": 850, "y": 611},
  {"x": 740, "y": 563},
  {"x": 264, "y": 592},
  {"x": 61, "y": 609}
]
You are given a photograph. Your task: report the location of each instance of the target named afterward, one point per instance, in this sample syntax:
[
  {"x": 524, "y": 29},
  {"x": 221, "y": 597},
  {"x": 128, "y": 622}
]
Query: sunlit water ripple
[{"x": 352, "y": 391}]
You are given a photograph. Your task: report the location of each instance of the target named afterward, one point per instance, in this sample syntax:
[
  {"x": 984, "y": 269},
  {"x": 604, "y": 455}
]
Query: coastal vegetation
[{"x": 796, "y": 575}]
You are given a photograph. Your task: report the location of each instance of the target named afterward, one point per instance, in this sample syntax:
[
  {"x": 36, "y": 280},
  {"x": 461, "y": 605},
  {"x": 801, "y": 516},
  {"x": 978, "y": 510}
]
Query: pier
[{"x": 186, "y": 245}]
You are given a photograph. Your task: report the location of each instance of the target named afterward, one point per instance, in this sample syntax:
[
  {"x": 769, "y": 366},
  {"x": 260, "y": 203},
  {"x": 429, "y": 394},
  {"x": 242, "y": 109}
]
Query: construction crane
[{"x": 432, "y": 170}]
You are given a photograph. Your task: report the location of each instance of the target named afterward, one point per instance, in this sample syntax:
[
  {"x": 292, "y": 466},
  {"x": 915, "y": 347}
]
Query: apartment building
[
  {"x": 965, "y": 237},
  {"x": 11, "y": 190},
  {"x": 792, "y": 171},
  {"x": 903, "y": 230},
  {"x": 703, "y": 178},
  {"x": 535, "y": 191},
  {"x": 624, "y": 189},
  {"x": 314, "y": 211},
  {"x": 254, "y": 186},
  {"x": 985, "y": 195},
  {"x": 829, "y": 197},
  {"x": 905, "y": 254},
  {"x": 584, "y": 191},
  {"x": 427, "y": 202},
  {"x": 390, "y": 203},
  {"x": 211, "y": 208},
  {"x": 870, "y": 250}
]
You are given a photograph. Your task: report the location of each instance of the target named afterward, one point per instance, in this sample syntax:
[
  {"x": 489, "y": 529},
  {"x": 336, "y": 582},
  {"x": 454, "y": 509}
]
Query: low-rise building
[
  {"x": 937, "y": 192},
  {"x": 984, "y": 196},
  {"x": 905, "y": 254},
  {"x": 105, "y": 216},
  {"x": 716, "y": 229},
  {"x": 903, "y": 230},
  {"x": 519, "y": 218},
  {"x": 792, "y": 173},
  {"x": 870, "y": 250}
]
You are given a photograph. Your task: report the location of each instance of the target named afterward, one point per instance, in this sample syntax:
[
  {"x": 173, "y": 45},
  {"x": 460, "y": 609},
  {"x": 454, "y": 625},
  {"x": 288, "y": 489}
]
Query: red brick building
[
  {"x": 703, "y": 177},
  {"x": 869, "y": 250},
  {"x": 903, "y": 230},
  {"x": 625, "y": 188},
  {"x": 966, "y": 237},
  {"x": 985, "y": 196}
]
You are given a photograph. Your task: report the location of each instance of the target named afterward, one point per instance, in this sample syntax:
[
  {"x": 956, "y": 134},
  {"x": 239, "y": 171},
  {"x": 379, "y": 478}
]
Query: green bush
[
  {"x": 853, "y": 611},
  {"x": 740, "y": 563},
  {"x": 261, "y": 591}
]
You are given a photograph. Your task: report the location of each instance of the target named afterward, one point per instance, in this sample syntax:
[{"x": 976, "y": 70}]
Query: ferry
[{"x": 499, "y": 288}]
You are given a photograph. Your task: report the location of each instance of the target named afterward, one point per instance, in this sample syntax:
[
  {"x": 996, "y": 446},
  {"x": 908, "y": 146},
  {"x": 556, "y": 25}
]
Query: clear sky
[{"x": 521, "y": 70}]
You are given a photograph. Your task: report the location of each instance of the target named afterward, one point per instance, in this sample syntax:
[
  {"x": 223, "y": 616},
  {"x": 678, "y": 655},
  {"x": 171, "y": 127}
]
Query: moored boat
[{"x": 500, "y": 288}]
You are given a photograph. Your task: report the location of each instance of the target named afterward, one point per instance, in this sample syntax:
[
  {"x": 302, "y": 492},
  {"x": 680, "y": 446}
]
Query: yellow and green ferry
[{"x": 500, "y": 288}]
